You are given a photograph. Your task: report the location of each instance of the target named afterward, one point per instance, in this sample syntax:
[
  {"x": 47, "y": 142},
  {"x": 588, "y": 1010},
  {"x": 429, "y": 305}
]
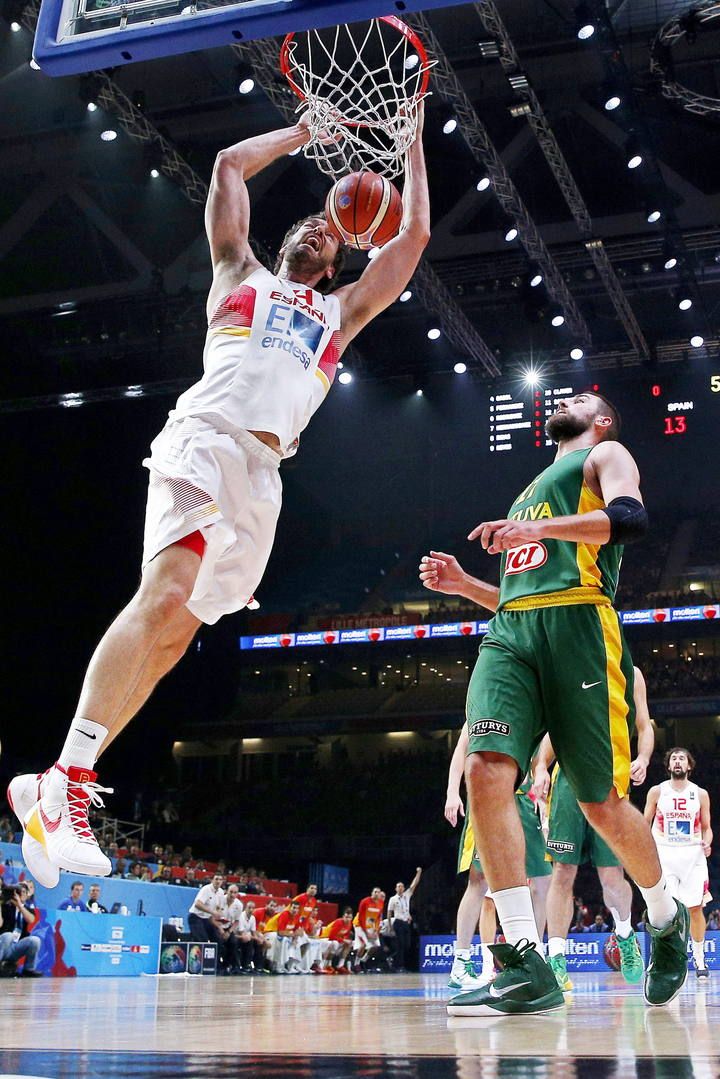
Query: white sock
[
  {"x": 556, "y": 946},
  {"x": 463, "y": 954},
  {"x": 83, "y": 744},
  {"x": 661, "y": 907},
  {"x": 623, "y": 926},
  {"x": 698, "y": 951},
  {"x": 488, "y": 963},
  {"x": 515, "y": 911}
]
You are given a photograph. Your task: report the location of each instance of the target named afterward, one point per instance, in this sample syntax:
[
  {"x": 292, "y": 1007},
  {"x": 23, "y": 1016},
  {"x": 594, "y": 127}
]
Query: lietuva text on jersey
[
  {"x": 270, "y": 357},
  {"x": 558, "y": 570},
  {"x": 677, "y": 816}
]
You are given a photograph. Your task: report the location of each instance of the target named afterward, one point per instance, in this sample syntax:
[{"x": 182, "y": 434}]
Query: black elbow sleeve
[{"x": 628, "y": 520}]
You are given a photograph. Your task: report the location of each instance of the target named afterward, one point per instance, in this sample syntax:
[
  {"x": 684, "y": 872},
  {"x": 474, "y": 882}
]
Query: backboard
[{"x": 75, "y": 36}]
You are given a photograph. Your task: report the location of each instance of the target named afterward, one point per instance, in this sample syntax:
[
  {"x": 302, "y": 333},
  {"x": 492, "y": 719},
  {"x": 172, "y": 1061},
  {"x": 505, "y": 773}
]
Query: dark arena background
[{"x": 309, "y": 741}]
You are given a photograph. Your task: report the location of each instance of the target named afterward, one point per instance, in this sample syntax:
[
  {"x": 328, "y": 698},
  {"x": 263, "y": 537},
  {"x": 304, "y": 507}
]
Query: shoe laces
[
  {"x": 80, "y": 797},
  {"x": 516, "y": 957}
]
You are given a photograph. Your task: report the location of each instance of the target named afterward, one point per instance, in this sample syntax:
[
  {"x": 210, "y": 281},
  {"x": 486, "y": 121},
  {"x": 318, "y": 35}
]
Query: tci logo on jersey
[
  {"x": 488, "y": 726},
  {"x": 528, "y": 556}
]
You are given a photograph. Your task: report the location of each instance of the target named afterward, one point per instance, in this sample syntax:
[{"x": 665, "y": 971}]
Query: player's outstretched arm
[
  {"x": 617, "y": 476},
  {"x": 227, "y": 213},
  {"x": 645, "y": 732},
  {"x": 440, "y": 572},
  {"x": 453, "y": 802},
  {"x": 651, "y": 804},
  {"x": 389, "y": 272}
]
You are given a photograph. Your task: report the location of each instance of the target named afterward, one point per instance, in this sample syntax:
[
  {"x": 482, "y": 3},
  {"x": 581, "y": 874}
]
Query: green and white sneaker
[
  {"x": 558, "y": 966},
  {"x": 632, "y": 967},
  {"x": 667, "y": 970},
  {"x": 525, "y": 986},
  {"x": 464, "y": 976}
]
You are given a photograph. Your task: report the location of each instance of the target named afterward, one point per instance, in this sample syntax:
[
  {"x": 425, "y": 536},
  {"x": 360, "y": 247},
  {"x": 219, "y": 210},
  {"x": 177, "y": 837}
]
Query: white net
[{"x": 361, "y": 85}]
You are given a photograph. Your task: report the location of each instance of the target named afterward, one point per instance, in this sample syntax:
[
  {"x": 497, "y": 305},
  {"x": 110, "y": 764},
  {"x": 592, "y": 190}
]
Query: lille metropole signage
[{"x": 704, "y": 612}]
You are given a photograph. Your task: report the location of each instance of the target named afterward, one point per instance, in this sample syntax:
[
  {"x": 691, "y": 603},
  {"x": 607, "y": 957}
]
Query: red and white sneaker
[
  {"x": 59, "y": 823},
  {"x": 22, "y": 794}
]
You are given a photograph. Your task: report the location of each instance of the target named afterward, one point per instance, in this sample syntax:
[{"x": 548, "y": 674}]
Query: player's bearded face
[
  {"x": 565, "y": 424},
  {"x": 310, "y": 250},
  {"x": 679, "y": 767}
]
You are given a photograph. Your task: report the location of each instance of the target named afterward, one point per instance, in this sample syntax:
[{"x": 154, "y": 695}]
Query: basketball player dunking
[
  {"x": 679, "y": 812},
  {"x": 271, "y": 353},
  {"x": 554, "y": 660}
]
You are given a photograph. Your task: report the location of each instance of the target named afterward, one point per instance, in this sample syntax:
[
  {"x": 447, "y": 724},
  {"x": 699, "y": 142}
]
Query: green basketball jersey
[{"x": 539, "y": 569}]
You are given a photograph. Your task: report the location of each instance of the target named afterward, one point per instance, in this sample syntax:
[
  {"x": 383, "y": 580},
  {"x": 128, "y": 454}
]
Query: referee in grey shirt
[{"x": 400, "y": 920}]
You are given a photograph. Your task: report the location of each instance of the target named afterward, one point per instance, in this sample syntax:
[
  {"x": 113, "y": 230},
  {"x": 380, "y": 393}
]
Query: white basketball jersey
[
  {"x": 677, "y": 817},
  {"x": 270, "y": 357}
]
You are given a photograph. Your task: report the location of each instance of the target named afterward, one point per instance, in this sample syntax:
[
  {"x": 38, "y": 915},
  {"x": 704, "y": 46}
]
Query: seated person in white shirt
[{"x": 251, "y": 942}]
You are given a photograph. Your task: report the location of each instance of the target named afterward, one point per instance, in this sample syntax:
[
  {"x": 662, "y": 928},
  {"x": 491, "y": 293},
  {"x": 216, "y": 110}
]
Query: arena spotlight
[
  {"x": 411, "y": 61},
  {"x": 245, "y": 78},
  {"x": 511, "y": 234},
  {"x": 405, "y": 296},
  {"x": 419, "y": 392},
  {"x": 91, "y": 106},
  {"x": 345, "y": 378},
  {"x": 450, "y": 125},
  {"x": 584, "y": 21},
  {"x": 670, "y": 262},
  {"x": 697, "y": 341},
  {"x": 154, "y": 173},
  {"x": 460, "y": 368},
  {"x": 612, "y": 101},
  {"x": 483, "y": 184},
  {"x": 15, "y": 27},
  {"x": 576, "y": 353},
  {"x": 536, "y": 278},
  {"x": 557, "y": 317},
  {"x": 633, "y": 156},
  {"x": 109, "y": 135},
  {"x": 531, "y": 377},
  {"x": 683, "y": 300},
  {"x": 433, "y": 333}
]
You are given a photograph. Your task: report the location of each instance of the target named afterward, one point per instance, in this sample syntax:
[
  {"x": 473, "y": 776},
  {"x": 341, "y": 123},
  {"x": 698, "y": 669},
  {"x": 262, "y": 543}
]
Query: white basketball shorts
[
  {"x": 686, "y": 872},
  {"x": 228, "y": 487}
]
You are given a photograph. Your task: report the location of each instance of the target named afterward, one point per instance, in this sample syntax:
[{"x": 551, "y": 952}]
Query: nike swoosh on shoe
[{"x": 500, "y": 993}]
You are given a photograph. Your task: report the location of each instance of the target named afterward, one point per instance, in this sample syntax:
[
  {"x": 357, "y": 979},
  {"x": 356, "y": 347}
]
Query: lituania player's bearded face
[{"x": 573, "y": 417}]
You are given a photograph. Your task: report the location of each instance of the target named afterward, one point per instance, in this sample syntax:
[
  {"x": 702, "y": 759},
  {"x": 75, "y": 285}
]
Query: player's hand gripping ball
[{"x": 365, "y": 210}]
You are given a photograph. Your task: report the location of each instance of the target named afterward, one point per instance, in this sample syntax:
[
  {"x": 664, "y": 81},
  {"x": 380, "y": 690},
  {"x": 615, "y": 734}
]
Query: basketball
[
  {"x": 364, "y": 209},
  {"x": 611, "y": 953}
]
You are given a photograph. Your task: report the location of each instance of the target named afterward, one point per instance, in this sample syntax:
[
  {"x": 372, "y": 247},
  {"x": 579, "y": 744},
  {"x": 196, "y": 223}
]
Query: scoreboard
[{"x": 681, "y": 406}]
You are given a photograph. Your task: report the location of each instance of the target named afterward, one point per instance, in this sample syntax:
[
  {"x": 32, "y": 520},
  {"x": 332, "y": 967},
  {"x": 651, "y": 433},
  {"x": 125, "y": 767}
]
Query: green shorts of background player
[{"x": 572, "y": 842}]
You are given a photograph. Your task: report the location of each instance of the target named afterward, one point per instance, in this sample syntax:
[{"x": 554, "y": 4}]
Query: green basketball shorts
[
  {"x": 571, "y": 840},
  {"x": 565, "y": 669},
  {"x": 536, "y": 865}
]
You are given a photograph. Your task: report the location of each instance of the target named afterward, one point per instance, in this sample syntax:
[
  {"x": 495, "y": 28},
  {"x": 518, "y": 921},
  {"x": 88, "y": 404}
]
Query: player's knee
[
  {"x": 490, "y": 771},
  {"x": 161, "y": 602},
  {"x": 564, "y": 875}
]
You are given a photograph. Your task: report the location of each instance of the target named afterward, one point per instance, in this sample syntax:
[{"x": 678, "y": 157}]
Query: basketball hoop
[{"x": 360, "y": 86}]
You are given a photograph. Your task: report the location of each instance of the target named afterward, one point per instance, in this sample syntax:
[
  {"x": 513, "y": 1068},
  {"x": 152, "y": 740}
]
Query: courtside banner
[
  {"x": 585, "y": 952},
  {"x": 712, "y": 951},
  {"x": 79, "y": 945},
  {"x": 432, "y": 631}
]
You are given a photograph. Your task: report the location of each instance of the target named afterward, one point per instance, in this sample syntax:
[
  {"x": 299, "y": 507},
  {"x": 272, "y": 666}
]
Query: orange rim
[{"x": 397, "y": 24}]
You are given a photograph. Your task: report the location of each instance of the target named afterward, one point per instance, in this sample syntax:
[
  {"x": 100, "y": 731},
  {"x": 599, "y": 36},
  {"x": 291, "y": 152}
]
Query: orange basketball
[{"x": 364, "y": 209}]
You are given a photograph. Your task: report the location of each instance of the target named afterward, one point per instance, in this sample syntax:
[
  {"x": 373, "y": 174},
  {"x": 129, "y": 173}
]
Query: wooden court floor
[{"x": 335, "y": 1028}]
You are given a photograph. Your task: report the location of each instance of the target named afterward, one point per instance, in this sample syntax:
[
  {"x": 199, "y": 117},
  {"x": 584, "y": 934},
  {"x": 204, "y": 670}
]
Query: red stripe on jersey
[
  {"x": 329, "y": 359},
  {"x": 237, "y": 309}
]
